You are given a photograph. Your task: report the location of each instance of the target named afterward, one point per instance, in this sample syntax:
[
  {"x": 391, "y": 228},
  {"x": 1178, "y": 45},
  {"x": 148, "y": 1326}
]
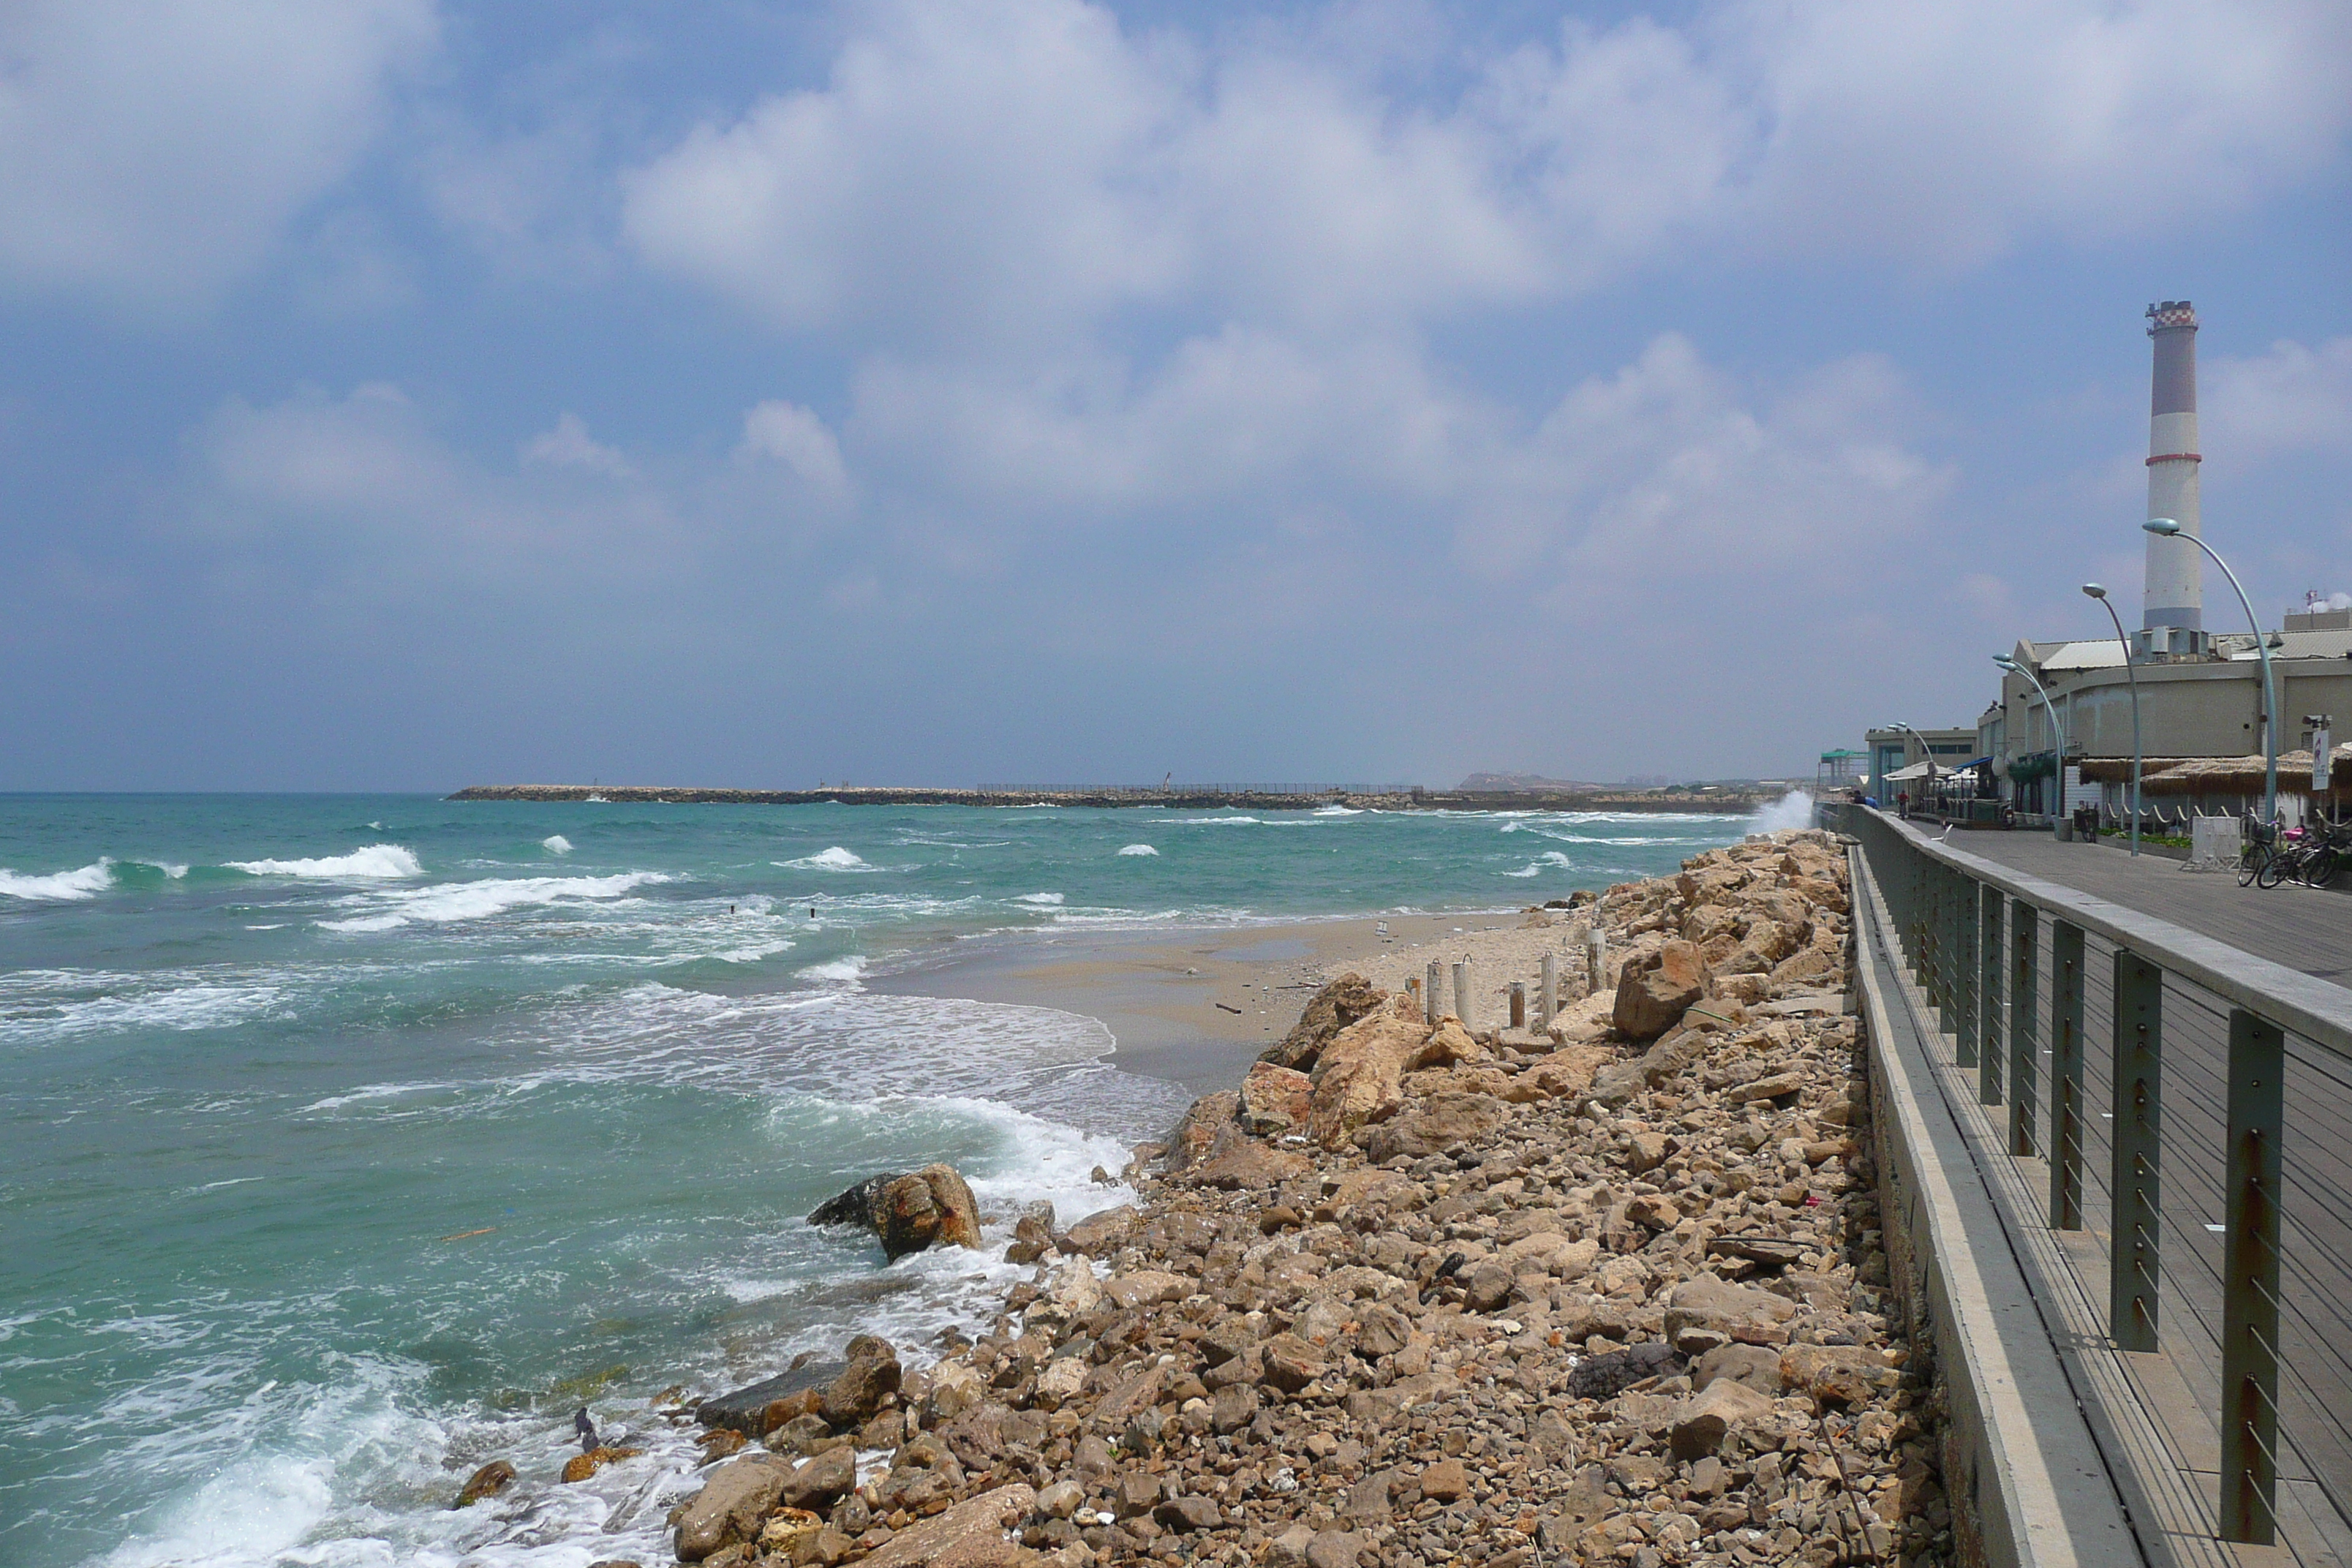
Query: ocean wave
[
  {"x": 847, "y": 970},
  {"x": 377, "y": 860},
  {"x": 1339, "y": 811},
  {"x": 1794, "y": 809},
  {"x": 1042, "y": 900},
  {"x": 84, "y": 882},
  {"x": 1214, "y": 821},
  {"x": 834, "y": 859},
  {"x": 478, "y": 900},
  {"x": 1139, "y": 849},
  {"x": 556, "y": 844},
  {"x": 30, "y": 1014}
]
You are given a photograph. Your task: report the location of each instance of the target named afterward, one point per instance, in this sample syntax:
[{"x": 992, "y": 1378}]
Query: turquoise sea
[{"x": 349, "y": 1141}]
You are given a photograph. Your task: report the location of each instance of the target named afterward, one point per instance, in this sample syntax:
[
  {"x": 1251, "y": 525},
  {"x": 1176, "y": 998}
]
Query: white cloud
[
  {"x": 1945, "y": 133},
  {"x": 2293, "y": 399},
  {"x": 981, "y": 171},
  {"x": 789, "y": 433},
  {"x": 569, "y": 445},
  {"x": 150, "y": 154}
]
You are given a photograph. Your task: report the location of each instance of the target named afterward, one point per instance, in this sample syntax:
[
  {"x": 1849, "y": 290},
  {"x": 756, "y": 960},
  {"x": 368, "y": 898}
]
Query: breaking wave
[
  {"x": 834, "y": 859},
  {"x": 386, "y": 860},
  {"x": 477, "y": 900},
  {"x": 1139, "y": 849},
  {"x": 86, "y": 882}
]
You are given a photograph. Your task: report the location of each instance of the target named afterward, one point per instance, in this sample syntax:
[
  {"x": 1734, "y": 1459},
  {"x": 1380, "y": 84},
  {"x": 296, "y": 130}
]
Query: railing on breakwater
[{"x": 2167, "y": 1124}]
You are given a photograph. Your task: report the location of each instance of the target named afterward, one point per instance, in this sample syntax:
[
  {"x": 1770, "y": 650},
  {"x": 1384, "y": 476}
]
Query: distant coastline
[{"x": 1727, "y": 801}]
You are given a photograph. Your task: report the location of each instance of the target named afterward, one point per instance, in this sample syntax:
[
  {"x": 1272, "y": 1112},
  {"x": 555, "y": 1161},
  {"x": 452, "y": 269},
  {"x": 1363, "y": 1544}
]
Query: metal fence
[{"x": 2178, "y": 1124}]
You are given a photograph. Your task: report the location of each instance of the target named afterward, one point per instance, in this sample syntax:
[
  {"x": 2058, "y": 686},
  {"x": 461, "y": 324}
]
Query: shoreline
[
  {"x": 1193, "y": 1006},
  {"x": 1615, "y": 1292}
]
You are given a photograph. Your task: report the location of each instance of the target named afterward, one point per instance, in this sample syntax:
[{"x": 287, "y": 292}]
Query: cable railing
[{"x": 2177, "y": 1116}]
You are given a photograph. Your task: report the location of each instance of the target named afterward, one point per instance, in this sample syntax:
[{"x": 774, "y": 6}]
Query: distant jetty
[{"x": 1728, "y": 800}]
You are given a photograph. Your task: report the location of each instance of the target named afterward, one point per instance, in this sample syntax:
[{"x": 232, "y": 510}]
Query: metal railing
[{"x": 2185, "y": 1111}]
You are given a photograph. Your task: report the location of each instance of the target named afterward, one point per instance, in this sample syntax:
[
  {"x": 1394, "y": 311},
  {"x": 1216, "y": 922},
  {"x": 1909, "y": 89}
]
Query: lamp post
[
  {"x": 2171, "y": 530},
  {"x": 2132, "y": 671},
  {"x": 2056, "y": 730},
  {"x": 1926, "y": 751}
]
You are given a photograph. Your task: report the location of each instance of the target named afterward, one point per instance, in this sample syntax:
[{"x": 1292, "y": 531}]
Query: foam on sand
[
  {"x": 377, "y": 860},
  {"x": 87, "y": 882}
]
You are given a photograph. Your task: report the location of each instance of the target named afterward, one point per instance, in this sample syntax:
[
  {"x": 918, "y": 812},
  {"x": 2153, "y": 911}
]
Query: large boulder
[
  {"x": 1434, "y": 1125},
  {"x": 930, "y": 1208},
  {"x": 1651, "y": 999},
  {"x": 971, "y": 1534},
  {"x": 1359, "y": 1078},
  {"x": 745, "y": 1409},
  {"x": 1275, "y": 1101},
  {"x": 1334, "y": 1009},
  {"x": 731, "y": 1505},
  {"x": 1196, "y": 1131}
]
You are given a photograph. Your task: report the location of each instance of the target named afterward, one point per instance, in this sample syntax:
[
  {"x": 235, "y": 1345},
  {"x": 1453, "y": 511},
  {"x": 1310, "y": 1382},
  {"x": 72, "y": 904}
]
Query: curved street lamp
[
  {"x": 1926, "y": 751},
  {"x": 2056, "y": 729},
  {"x": 2131, "y": 671},
  {"x": 2171, "y": 530}
]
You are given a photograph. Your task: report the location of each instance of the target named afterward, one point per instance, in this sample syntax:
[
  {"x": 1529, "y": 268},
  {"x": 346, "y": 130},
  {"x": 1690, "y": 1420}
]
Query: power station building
[{"x": 2201, "y": 703}]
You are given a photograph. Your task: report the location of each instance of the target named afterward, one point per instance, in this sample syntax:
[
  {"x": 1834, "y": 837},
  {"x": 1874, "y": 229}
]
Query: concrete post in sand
[
  {"x": 1518, "y": 1004},
  {"x": 1433, "y": 991},
  {"x": 1548, "y": 992},
  {"x": 1462, "y": 992},
  {"x": 1596, "y": 960}
]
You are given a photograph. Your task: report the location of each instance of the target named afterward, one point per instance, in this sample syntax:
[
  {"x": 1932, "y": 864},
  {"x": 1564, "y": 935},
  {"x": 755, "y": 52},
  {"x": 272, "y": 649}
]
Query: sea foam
[
  {"x": 494, "y": 894},
  {"x": 556, "y": 844},
  {"x": 1139, "y": 849},
  {"x": 377, "y": 860},
  {"x": 86, "y": 882},
  {"x": 834, "y": 859}
]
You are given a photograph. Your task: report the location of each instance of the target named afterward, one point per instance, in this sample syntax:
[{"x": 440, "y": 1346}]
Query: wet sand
[{"x": 1195, "y": 1007}]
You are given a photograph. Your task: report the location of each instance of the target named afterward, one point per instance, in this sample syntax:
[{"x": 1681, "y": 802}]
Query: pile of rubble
[{"x": 1408, "y": 1297}]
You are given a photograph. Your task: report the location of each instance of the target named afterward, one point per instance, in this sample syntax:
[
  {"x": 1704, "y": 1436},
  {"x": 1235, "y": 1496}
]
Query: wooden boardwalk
[
  {"x": 2160, "y": 1413},
  {"x": 2298, "y": 927}
]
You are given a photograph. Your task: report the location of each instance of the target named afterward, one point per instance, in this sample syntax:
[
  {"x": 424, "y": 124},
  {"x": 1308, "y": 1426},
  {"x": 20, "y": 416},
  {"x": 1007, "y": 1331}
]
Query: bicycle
[
  {"x": 2326, "y": 858},
  {"x": 2286, "y": 862},
  {"x": 2256, "y": 849}
]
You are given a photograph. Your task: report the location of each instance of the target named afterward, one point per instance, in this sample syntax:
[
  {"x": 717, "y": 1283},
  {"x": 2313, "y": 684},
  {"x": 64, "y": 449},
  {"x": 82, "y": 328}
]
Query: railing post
[
  {"x": 1433, "y": 1004},
  {"x": 1966, "y": 1000},
  {"x": 2135, "y": 1263},
  {"x": 2067, "y": 980},
  {"x": 2250, "y": 1283},
  {"x": 1989, "y": 963},
  {"x": 2025, "y": 1008}
]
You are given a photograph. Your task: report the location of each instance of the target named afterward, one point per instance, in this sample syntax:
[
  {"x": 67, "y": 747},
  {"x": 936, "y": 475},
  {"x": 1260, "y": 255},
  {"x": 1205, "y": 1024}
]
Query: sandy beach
[{"x": 1197, "y": 1006}]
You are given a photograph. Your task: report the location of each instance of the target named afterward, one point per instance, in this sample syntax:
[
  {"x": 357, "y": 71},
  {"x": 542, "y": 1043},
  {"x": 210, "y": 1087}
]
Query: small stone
[
  {"x": 1334, "y": 1549},
  {"x": 1446, "y": 1481},
  {"x": 1704, "y": 1419},
  {"x": 1187, "y": 1513},
  {"x": 1061, "y": 1499},
  {"x": 1489, "y": 1286},
  {"x": 1289, "y": 1550}
]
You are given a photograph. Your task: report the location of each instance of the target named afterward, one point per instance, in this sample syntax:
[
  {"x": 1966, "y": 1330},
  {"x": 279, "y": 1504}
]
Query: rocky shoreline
[{"x": 1614, "y": 1291}]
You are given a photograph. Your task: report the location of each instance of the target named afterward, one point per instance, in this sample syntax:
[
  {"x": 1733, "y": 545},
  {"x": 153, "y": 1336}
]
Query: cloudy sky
[{"x": 404, "y": 395}]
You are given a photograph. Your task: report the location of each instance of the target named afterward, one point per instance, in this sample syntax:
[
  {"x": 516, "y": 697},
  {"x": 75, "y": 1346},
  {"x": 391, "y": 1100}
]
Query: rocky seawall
[{"x": 1615, "y": 1292}]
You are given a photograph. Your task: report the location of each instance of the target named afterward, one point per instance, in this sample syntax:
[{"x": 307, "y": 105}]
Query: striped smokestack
[{"x": 2176, "y": 568}]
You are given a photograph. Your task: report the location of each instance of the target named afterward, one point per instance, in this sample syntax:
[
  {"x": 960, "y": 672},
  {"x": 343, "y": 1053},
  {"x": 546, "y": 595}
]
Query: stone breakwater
[
  {"x": 1650, "y": 800},
  {"x": 1410, "y": 1296}
]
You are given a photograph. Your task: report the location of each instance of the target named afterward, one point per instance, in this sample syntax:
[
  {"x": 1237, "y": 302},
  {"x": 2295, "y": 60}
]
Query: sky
[{"x": 397, "y": 395}]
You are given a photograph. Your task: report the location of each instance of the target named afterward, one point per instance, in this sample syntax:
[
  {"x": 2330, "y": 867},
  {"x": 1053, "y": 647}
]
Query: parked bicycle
[{"x": 2257, "y": 847}]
